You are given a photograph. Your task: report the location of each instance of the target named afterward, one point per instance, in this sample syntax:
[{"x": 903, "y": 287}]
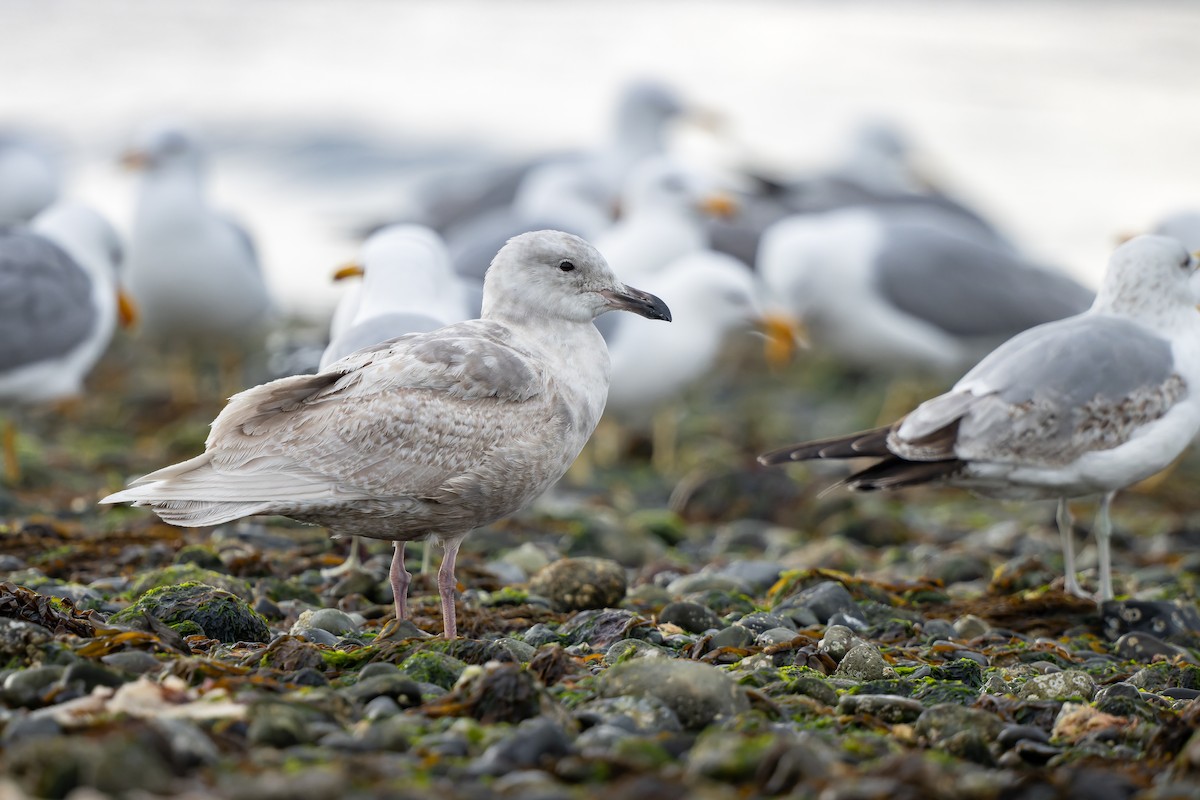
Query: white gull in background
[
  {"x": 889, "y": 291},
  {"x": 432, "y": 434},
  {"x": 193, "y": 272},
  {"x": 1181, "y": 225},
  {"x": 29, "y": 179},
  {"x": 713, "y": 296},
  {"x": 59, "y": 304},
  {"x": 663, "y": 208},
  {"x": 1085, "y": 405},
  {"x": 408, "y": 286},
  {"x": 642, "y": 117}
]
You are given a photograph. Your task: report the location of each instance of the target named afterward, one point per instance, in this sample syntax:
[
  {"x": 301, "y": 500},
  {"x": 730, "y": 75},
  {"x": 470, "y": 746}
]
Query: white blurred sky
[{"x": 1069, "y": 122}]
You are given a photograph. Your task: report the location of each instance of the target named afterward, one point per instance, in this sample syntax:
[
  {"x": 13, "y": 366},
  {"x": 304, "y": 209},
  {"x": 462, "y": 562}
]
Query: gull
[
  {"x": 431, "y": 434},
  {"x": 1181, "y": 225},
  {"x": 409, "y": 286},
  {"x": 59, "y": 305},
  {"x": 897, "y": 292},
  {"x": 193, "y": 272},
  {"x": 663, "y": 208},
  {"x": 28, "y": 180},
  {"x": 1085, "y": 405},
  {"x": 713, "y": 296}
]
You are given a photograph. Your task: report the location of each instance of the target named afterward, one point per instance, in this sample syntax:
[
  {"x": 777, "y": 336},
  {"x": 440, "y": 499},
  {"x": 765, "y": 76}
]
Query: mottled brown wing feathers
[{"x": 896, "y": 473}]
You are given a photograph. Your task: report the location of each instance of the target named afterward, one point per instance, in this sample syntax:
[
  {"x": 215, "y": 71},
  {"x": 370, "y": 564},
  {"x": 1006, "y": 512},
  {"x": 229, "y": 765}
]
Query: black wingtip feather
[{"x": 863, "y": 444}]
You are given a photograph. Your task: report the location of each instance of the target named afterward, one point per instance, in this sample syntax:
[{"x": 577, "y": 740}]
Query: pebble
[
  {"x": 760, "y": 621},
  {"x": 837, "y": 641},
  {"x": 863, "y": 662},
  {"x": 332, "y": 620},
  {"x": 138, "y": 662},
  {"x": 579, "y": 584},
  {"x": 1012, "y": 734},
  {"x": 945, "y": 720},
  {"x": 887, "y": 707},
  {"x": 698, "y": 693},
  {"x": 638, "y": 715},
  {"x": 429, "y": 666},
  {"x": 1136, "y": 646},
  {"x": 692, "y": 617},
  {"x": 823, "y": 599},
  {"x": 706, "y": 582},
  {"x": 756, "y": 575},
  {"x": 1059, "y": 686},
  {"x": 535, "y": 743},
  {"x": 400, "y": 688},
  {"x": 970, "y": 626},
  {"x": 733, "y": 636},
  {"x": 220, "y": 614},
  {"x": 773, "y": 636}
]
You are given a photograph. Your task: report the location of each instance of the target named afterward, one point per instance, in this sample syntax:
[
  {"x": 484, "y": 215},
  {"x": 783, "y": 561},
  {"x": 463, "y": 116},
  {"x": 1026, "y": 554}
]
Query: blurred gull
[
  {"x": 59, "y": 303},
  {"x": 1181, "y": 225},
  {"x": 663, "y": 207},
  {"x": 194, "y": 273},
  {"x": 1085, "y": 405},
  {"x": 643, "y": 113},
  {"x": 432, "y": 434},
  {"x": 29, "y": 179},
  {"x": 892, "y": 292},
  {"x": 713, "y": 296},
  {"x": 408, "y": 287}
]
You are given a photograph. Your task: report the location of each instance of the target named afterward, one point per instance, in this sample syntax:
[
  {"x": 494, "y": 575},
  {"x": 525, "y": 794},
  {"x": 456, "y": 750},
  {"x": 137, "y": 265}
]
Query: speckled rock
[
  {"x": 887, "y": 707},
  {"x": 837, "y": 641},
  {"x": 945, "y": 720},
  {"x": 863, "y": 662},
  {"x": 332, "y": 620},
  {"x": 698, "y": 693},
  {"x": 640, "y": 715},
  {"x": 579, "y": 584},
  {"x": 1059, "y": 686}
]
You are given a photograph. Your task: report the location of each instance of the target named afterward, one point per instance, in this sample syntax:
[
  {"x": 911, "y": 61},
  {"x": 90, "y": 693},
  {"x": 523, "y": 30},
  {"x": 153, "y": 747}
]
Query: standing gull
[
  {"x": 59, "y": 303},
  {"x": 194, "y": 273},
  {"x": 431, "y": 434},
  {"x": 1085, "y": 405},
  {"x": 892, "y": 290}
]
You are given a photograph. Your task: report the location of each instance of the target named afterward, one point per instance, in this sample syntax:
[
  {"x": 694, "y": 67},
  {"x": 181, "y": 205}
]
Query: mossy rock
[
  {"x": 200, "y": 555},
  {"x": 430, "y": 667},
  {"x": 177, "y": 574},
  {"x": 220, "y": 614}
]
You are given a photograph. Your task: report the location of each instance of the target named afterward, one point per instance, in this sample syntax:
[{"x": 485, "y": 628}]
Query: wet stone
[
  {"x": 970, "y": 627},
  {"x": 698, "y": 693},
  {"x": 1144, "y": 647},
  {"x": 864, "y": 662},
  {"x": 26, "y": 727},
  {"x": 579, "y": 584},
  {"x": 429, "y": 666},
  {"x": 87, "y": 675},
  {"x": 824, "y": 599},
  {"x": 733, "y": 636},
  {"x": 630, "y": 649},
  {"x": 812, "y": 686},
  {"x": 1012, "y": 734},
  {"x": 398, "y": 687},
  {"x": 761, "y": 621},
  {"x": 277, "y": 725},
  {"x": 887, "y": 707},
  {"x": 599, "y": 629},
  {"x": 837, "y": 641},
  {"x": 188, "y": 745},
  {"x": 692, "y": 617},
  {"x": 706, "y": 582},
  {"x": 26, "y": 687},
  {"x": 853, "y": 620},
  {"x": 637, "y": 715},
  {"x": 381, "y": 707},
  {"x": 774, "y": 636},
  {"x": 1059, "y": 686},
  {"x": 536, "y": 743},
  {"x": 137, "y": 662},
  {"x": 757, "y": 575},
  {"x": 724, "y": 756},
  {"x": 945, "y": 720},
  {"x": 332, "y": 620},
  {"x": 1176, "y": 622}
]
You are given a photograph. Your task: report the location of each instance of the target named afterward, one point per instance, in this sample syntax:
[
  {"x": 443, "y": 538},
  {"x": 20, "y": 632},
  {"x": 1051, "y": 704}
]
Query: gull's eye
[
  {"x": 566, "y": 266},
  {"x": 1187, "y": 262}
]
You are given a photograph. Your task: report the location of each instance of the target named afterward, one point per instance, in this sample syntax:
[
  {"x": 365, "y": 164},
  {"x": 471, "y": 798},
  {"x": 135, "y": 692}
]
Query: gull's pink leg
[
  {"x": 446, "y": 586},
  {"x": 400, "y": 579}
]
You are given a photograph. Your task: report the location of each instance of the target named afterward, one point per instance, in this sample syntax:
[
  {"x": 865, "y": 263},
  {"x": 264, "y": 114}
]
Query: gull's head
[
  {"x": 555, "y": 275},
  {"x": 660, "y": 183},
  {"x": 1148, "y": 276},
  {"x": 408, "y": 268},
  {"x": 164, "y": 147}
]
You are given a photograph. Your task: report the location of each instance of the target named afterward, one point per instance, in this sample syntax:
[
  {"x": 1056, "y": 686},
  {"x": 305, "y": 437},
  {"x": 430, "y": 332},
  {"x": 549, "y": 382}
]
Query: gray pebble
[
  {"x": 137, "y": 662},
  {"x": 775, "y": 636},
  {"x": 887, "y": 707},
  {"x": 1011, "y": 734},
  {"x": 945, "y": 720},
  {"x": 1144, "y": 647},
  {"x": 864, "y": 662},
  {"x": 641, "y": 715},
  {"x": 395, "y": 685},
  {"x": 25, "y": 687},
  {"x": 381, "y": 707},
  {"x": 535, "y": 743},
  {"x": 937, "y": 629},
  {"x": 579, "y": 584},
  {"x": 1059, "y": 686},
  {"x": 757, "y": 575},
  {"x": 760, "y": 621},
  {"x": 189, "y": 746},
  {"x": 599, "y": 740},
  {"x": 837, "y": 641},
  {"x": 332, "y": 620},
  {"x": 378, "y": 668},
  {"x": 26, "y": 727},
  {"x": 698, "y": 693},
  {"x": 824, "y": 599},
  {"x": 692, "y": 617},
  {"x": 970, "y": 626},
  {"x": 733, "y": 636},
  {"x": 706, "y": 582}
]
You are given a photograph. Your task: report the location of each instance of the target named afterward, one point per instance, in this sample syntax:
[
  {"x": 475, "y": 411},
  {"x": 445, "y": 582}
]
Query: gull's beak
[
  {"x": 351, "y": 270},
  {"x": 707, "y": 119},
  {"x": 784, "y": 335},
  {"x": 641, "y": 303},
  {"x": 1125, "y": 236},
  {"x": 721, "y": 205},
  {"x": 127, "y": 314},
  {"x": 135, "y": 159}
]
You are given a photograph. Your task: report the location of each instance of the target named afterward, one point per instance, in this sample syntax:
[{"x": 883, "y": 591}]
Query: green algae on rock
[{"x": 220, "y": 614}]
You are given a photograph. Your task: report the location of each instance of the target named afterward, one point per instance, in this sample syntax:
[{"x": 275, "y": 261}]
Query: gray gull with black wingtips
[{"x": 1085, "y": 405}]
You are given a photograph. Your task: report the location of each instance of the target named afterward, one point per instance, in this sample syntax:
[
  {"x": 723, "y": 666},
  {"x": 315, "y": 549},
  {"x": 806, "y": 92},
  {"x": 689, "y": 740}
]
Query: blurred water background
[{"x": 1067, "y": 122}]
